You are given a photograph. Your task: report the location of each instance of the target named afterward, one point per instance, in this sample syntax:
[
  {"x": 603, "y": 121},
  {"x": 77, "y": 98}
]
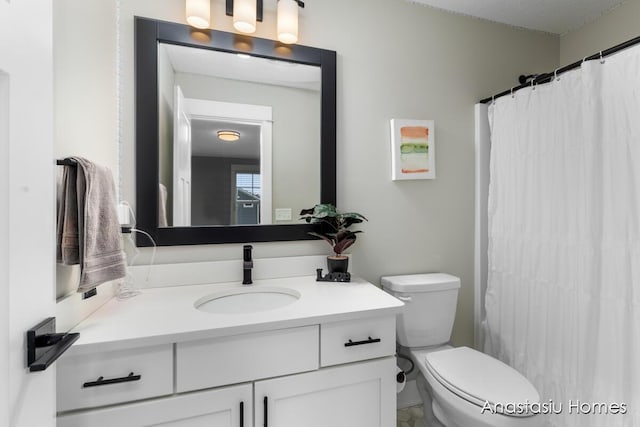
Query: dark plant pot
[{"x": 337, "y": 264}]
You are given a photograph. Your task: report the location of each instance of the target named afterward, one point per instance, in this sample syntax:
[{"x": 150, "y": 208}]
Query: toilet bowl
[
  {"x": 460, "y": 387},
  {"x": 467, "y": 388}
]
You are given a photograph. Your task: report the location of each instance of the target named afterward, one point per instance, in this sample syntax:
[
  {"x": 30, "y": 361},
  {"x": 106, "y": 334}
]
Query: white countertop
[{"x": 168, "y": 315}]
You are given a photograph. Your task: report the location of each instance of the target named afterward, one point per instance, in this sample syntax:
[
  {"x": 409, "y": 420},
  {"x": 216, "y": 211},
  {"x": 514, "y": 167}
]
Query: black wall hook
[{"x": 44, "y": 345}]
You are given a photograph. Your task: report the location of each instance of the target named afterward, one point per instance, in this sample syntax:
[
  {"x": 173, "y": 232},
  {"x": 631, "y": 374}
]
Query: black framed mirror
[{"x": 152, "y": 38}]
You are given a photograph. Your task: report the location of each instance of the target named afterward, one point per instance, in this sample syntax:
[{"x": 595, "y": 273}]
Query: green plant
[{"x": 333, "y": 226}]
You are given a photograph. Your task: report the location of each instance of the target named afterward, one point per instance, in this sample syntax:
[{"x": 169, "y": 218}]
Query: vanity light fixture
[
  {"x": 228, "y": 135},
  {"x": 245, "y": 14},
  {"x": 288, "y": 20},
  {"x": 198, "y": 13}
]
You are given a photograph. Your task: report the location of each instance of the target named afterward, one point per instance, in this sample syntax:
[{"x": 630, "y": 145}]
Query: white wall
[
  {"x": 85, "y": 80},
  {"x": 85, "y": 119},
  {"x": 408, "y": 61},
  {"x": 612, "y": 28},
  {"x": 395, "y": 60}
]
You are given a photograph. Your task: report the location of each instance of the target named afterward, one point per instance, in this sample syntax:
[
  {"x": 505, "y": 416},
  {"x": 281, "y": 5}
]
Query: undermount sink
[{"x": 247, "y": 300}]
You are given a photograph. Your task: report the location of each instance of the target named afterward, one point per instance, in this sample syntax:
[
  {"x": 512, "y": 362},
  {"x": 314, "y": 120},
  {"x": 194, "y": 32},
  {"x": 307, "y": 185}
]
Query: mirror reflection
[{"x": 239, "y": 138}]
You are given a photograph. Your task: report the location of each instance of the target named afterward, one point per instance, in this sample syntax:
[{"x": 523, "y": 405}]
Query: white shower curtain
[{"x": 563, "y": 296}]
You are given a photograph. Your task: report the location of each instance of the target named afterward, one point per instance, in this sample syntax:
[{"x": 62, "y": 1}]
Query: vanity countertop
[{"x": 168, "y": 315}]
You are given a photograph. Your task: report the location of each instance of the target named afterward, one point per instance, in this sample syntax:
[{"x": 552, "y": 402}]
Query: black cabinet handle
[
  {"x": 266, "y": 412},
  {"x": 241, "y": 414},
  {"x": 367, "y": 341},
  {"x": 101, "y": 381}
]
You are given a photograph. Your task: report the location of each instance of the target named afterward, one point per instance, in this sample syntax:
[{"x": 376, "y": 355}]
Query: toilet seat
[{"x": 481, "y": 379}]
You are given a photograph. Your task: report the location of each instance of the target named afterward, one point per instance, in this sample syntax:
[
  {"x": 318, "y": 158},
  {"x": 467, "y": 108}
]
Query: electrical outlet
[
  {"x": 283, "y": 214},
  {"x": 124, "y": 216}
]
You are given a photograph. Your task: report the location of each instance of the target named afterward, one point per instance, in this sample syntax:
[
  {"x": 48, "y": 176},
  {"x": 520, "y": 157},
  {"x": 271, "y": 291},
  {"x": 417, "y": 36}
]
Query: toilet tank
[{"x": 429, "y": 307}]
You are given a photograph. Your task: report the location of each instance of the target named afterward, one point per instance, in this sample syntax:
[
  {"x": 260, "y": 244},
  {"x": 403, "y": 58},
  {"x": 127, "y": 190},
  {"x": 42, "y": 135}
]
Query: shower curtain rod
[{"x": 547, "y": 77}]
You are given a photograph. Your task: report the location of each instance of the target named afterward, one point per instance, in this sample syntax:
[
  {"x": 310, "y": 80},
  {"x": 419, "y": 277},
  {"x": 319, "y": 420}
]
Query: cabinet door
[
  {"x": 225, "y": 407},
  {"x": 356, "y": 395}
]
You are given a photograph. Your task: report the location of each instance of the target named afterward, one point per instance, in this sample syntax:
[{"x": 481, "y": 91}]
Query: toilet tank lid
[{"x": 428, "y": 282}]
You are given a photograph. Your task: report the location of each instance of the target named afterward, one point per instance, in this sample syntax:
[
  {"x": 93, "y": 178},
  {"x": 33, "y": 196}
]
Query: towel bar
[{"x": 66, "y": 162}]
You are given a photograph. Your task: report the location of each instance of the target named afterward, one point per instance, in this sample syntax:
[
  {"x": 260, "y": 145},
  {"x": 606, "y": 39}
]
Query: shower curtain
[{"x": 563, "y": 294}]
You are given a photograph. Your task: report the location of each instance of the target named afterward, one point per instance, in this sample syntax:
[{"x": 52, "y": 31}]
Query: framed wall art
[{"x": 412, "y": 149}]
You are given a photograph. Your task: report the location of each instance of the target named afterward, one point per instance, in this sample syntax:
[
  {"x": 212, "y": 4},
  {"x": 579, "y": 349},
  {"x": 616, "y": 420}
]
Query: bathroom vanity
[{"x": 323, "y": 357}]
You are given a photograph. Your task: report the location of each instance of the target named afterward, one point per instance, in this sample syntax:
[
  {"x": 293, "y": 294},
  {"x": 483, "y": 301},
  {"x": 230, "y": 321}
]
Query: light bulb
[
  {"x": 198, "y": 13},
  {"x": 244, "y": 15},
  {"x": 288, "y": 21}
]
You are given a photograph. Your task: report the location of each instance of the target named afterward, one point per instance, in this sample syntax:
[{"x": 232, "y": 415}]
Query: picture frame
[{"x": 412, "y": 149}]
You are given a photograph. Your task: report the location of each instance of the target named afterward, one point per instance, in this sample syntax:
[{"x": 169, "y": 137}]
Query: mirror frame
[{"x": 148, "y": 33}]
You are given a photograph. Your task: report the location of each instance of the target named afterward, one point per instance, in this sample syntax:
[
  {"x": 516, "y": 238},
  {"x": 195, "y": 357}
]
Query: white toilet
[{"x": 460, "y": 387}]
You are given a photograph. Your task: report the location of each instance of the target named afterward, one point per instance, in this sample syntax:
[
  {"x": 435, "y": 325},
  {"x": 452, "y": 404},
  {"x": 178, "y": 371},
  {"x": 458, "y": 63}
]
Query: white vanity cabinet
[{"x": 326, "y": 361}]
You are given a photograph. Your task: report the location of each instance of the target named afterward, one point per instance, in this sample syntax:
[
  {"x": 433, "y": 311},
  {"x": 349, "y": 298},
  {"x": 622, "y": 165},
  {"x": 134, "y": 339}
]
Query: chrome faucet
[{"x": 247, "y": 264}]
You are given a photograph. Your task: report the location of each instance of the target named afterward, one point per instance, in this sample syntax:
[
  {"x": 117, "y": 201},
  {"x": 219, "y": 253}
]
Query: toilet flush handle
[{"x": 403, "y": 298}]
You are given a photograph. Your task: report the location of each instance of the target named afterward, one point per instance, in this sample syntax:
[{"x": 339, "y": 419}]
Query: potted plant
[{"x": 333, "y": 228}]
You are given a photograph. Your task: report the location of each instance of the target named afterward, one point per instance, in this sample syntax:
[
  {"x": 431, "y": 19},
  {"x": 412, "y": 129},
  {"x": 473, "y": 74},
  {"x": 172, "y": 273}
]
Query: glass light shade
[
  {"x": 198, "y": 13},
  {"x": 288, "y": 21},
  {"x": 228, "y": 135},
  {"x": 244, "y": 15}
]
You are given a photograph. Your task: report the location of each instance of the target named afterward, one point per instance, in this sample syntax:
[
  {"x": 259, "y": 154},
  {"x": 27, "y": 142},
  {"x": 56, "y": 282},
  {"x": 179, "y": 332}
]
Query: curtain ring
[
  {"x": 512, "y": 95},
  {"x": 602, "y": 61},
  {"x": 555, "y": 75},
  {"x": 533, "y": 84},
  {"x": 493, "y": 99}
]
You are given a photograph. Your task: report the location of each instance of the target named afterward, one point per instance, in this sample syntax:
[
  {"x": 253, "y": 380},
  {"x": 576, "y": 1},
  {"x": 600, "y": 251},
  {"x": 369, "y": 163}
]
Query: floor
[{"x": 412, "y": 416}]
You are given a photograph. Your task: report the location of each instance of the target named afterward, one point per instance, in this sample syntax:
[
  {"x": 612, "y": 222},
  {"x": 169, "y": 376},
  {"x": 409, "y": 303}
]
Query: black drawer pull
[
  {"x": 241, "y": 414},
  {"x": 266, "y": 412},
  {"x": 101, "y": 381},
  {"x": 367, "y": 341}
]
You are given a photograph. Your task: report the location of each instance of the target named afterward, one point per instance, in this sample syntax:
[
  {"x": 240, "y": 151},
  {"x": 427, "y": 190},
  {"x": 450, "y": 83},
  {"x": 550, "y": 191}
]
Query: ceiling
[{"x": 550, "y": 16}]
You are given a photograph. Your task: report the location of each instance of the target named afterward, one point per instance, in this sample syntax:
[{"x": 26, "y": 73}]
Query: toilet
[{"x": 460, "y": 387}]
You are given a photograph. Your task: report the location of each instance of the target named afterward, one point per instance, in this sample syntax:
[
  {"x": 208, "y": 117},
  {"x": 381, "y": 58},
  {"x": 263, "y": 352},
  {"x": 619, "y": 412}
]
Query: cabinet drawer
[
  {"x": 229, "y": 406},
  {"x": 98, "y": 379},
  {"x": 239, "y": 358},
  {"x": 350, "y": 341}
]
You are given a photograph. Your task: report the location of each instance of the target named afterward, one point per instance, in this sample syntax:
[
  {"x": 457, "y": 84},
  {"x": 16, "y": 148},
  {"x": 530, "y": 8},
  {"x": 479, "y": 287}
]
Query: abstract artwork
[{"x": 412, "y": 149}]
